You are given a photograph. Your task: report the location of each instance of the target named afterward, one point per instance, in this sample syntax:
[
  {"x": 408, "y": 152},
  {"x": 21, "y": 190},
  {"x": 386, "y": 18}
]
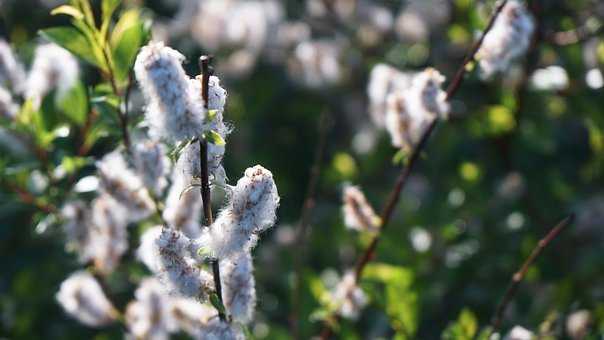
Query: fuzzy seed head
[
  {"x": 358, "y": 213},
  {"x": 12, "y": 73},
  {"x": 152, "y": 165},
  {"x": 238, "y": 287},
  {"x": 53, "y": 68},
  {"x": 383, "y": 81},
  {"x": 149, "y": 315},
  {"x": 411, "y": 111},
  {"x": 349, "y": 297},
  {"x": 174, "y": 111},
  {"x": 508, "y": 39},
  {"x": 82, "y": 297}
]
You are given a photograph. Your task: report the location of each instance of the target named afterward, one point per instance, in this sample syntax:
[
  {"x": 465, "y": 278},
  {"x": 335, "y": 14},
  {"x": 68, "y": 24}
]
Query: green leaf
[
  {"x": 73, "y": 164},
  {"x": 74, "y": 41},
  {"x": 68, "y": 10},
  {"x": 74, "y": 104},
  {"x": 215, "y": 138},
  {"x": 401, "y": 301},
  {"x": 464, "y": 328},
  {"x": 84, "y": 7},
  {"x": 126, "y": 40},
  {"x": 217, "y": 303},
  {"x": 96, "y": 41},
  {"x": 107, "y": 7}
]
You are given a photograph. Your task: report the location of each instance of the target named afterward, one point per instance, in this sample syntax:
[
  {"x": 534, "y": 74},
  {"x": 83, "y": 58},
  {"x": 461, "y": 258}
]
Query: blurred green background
[{"x": 511, "y": 162}]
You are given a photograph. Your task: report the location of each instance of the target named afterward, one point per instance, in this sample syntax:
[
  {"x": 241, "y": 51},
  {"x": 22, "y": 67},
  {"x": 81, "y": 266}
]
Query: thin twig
[
  {"x": 517, "y": 278},
  {"x": 394, "y": 196},
  {"x": 204, "y": 63},
  {"x": 305, "y": 214}
]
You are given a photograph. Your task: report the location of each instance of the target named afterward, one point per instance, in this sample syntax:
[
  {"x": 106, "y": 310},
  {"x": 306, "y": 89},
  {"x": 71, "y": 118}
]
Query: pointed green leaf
[
  {"x": 215, "y": 138},
  {"x": 74, "y": 104},
  {"x": 74, "y": 41},
  {"x": 108, "y": 7},
  {"x": 68, "y": 10},
  {"x": 126, "y": 40}
]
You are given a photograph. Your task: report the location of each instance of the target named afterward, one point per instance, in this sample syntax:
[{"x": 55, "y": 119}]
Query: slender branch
[
  {"x": 517, "y": 278},
  {"x": 394, "y": 196},
  {"x": 204, "y": 62},
  {"x": 305, "y": 214},
  {"x": 121, "y": 114}
]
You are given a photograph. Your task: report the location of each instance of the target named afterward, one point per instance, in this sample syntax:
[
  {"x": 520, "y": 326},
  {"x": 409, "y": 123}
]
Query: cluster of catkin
[{"x": 132, "y": 188}]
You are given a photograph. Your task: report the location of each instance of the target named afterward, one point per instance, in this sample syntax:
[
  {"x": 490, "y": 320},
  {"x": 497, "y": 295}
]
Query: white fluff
[
  {"x": 173, "y": 110},
  {"x": 107, "y": 235},
  {"x": 358, "y": 213},
  {"x": 250, "y": 211},
  {"x": 383, "y": 81},
  {"x": 349, "y": 297},
  {"x": 125, "y": 186},
  {"x": 409, "y": 112},
  {"x": 508, "y": 39},
  {"x": 82, "y": 297},
  {"x": 238, "y": 287},
  {"x": 53, "y": 68},
  {"x": 12, "y": 74},
  {"x": 169, "y": 254},
  {"x": 152, "y": 165},
  {"x": 150, "y": 315}
]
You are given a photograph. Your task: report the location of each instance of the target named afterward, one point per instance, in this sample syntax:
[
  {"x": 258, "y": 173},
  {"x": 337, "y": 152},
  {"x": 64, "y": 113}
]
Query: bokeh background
[{"x": 519, "y": 153}]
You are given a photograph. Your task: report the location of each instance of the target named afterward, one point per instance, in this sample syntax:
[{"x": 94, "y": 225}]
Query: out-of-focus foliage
[{"x": 519, "y": 152}]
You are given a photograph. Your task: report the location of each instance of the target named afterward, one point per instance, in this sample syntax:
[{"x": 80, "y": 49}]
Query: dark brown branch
[
  {"x": 517, "y": 278},
  {"x": 394, "y": 196},
  {"x": 204, "y": 63},
  {"x": 305, "y": 214},
  {"x": 458, "y": 78}
]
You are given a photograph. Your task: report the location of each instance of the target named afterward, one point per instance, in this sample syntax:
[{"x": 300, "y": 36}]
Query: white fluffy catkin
[
  {"x": 250, "y": 211},
  {"x": 149, "y": 316},
  {"x": 12, "y": 74},
  {"x": 411, "y": 111},
  {"x": 107, "y": 234},
  {"x": 77, "y": 219},
  {"x": 152, "y": 165},
  {"x": 384, "y": 80},
  {"x": 82, "y": 297},
  {"x": 124, "y": 186},
  {"x": 349, "y": 297},
  {"x": 8, "y": 107},
  {"x": 53, "y": 68},
  {"x": 238, "y": 286},
  {"x": 173, "y": 110},
  {"x": 358, "y": 213},
  {"x": 508, "y": 39},
  {"x": 169, "y": 254}
]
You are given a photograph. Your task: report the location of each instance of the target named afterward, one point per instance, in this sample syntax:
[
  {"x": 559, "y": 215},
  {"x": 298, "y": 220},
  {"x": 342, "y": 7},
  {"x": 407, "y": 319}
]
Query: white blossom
[
  {"x": 107, "y": 235},
  {"x": 349, "y": 297},
  {"x": 125, "y": 186},
  {"x": 12, "y": 74},
  {"x": 578, "y": 324},
  {"x": 220, "y": 330},
  {"x": 318, "y": 63},
  {"x": 238, "y": 286},
  {"x": 183, "y": 204},
  {"x": 82, "y": 297},
  {"x": 170, "y": 255},
  {"x": 383, "y": 81},
  {"x": 192, "y": 316},
  {"x": 8, "y": 107},
  {"x": 519, "y": 333},
  {"x": 150, "y": 315},
  {"x": 250, "y": 211},
  {"x": 152, "y": 165},
  {"x": 77, "y": 219},
  {"x": 53, "y": 68},
  {"x": 358, "y": 213},
  {"x": 552, "y": 78},
  {"x": 508, "y": 39},
  {"x": 411, "y": 111},
  {"x": 173, "y": 110}
]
